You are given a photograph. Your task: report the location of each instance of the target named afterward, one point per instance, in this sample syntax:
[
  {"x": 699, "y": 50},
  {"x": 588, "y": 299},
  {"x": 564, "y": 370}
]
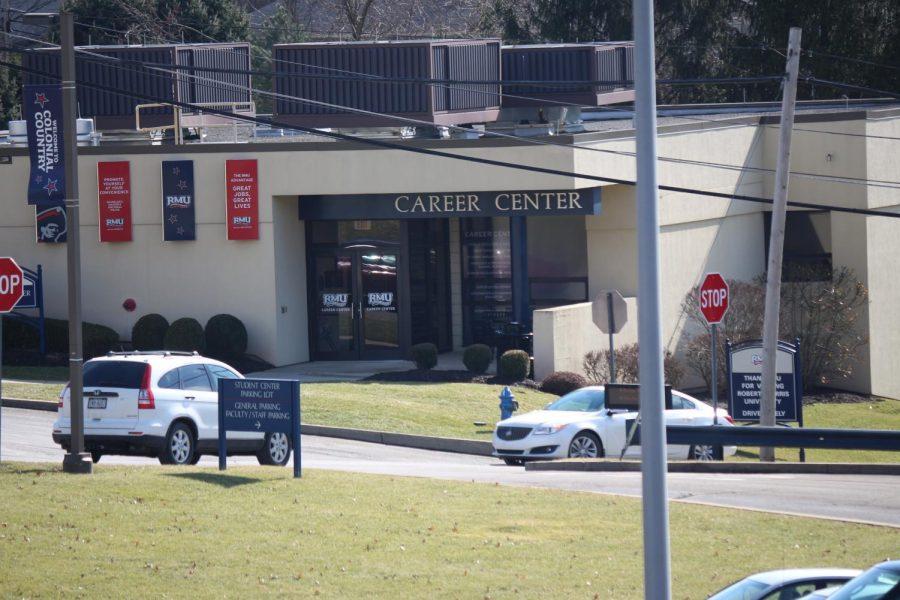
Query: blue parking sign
[{"x": 263, "y": 405}]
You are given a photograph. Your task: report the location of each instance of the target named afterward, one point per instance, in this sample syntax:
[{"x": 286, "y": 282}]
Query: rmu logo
[
  {"x": 381, "y": 299},
  {"x": 178, "y": 201},
  {"x": 757, "y": 360},
  {"x": 241, "y": 220},
  {"x": 115, "y": 222},
  {"x": 335, "y": 300}
]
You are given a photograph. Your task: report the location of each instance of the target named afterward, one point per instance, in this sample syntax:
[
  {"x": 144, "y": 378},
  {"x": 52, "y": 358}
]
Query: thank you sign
[
  {"x": 265, "y": 406},
  {"x": 42, "y": 111},
  {"x": 745, "y": 362}
]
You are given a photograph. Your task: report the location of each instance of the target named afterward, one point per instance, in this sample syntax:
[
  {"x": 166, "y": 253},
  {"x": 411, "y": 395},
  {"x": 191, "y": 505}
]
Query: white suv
[{"x": 159, "y": 404}]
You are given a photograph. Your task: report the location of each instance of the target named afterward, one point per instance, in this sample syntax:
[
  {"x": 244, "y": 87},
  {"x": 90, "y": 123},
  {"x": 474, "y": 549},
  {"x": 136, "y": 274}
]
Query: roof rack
[{"x": 154, "y": 353}]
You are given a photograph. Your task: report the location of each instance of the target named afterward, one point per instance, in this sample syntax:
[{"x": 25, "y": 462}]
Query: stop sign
[
  {"x": 12, "y": 284},
  {"x": 713, "y": 298}
]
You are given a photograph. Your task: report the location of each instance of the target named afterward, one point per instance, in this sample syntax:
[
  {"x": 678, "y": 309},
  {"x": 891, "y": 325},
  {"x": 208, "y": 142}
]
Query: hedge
[
  {"x": 186, "y": 335},
  {"x": 226, "y": 337},
  {"x": 149, "y": 332}
]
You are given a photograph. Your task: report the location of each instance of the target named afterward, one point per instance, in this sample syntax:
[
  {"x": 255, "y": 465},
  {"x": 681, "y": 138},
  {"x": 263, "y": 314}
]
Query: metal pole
[
  {"x": 611, "y": 320},
  {"x": 776, "y": 243},
  {"x": 1, "y": 386},
  {"x": 657, "y": 577},
  {"x": 714, "y": 374},
  {"x": 76, "y": 461}
]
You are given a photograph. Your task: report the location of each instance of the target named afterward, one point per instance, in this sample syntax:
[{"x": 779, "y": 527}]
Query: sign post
[
  {"x": 12, "y": 285},
  {"x": 261, "y": 405},
  {"x": 610, "y": 313},
  {"x": 714, "y": 305}
]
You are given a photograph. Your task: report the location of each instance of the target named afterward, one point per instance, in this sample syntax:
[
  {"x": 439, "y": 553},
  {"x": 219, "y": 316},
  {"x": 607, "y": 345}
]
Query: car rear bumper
[{"x": 133, "y": 445}]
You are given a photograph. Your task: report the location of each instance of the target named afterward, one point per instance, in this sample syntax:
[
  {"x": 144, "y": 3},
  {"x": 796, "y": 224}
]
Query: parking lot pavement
[{"x": 26, "y": 437}]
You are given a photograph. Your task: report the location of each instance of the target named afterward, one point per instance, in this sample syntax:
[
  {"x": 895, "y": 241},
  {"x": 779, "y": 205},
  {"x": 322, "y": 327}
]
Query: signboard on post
[
  {"x": 262, "y": 405},
  {"x": 714, "y": 304},
  {"x": 42, "y": 107},
  {"x": 745, "y": 363},
  {"x": 610, "y": 312}
]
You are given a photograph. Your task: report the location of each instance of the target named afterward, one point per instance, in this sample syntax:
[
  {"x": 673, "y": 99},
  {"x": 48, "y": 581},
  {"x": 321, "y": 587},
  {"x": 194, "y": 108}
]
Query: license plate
[{"x": 96, "y": 402}]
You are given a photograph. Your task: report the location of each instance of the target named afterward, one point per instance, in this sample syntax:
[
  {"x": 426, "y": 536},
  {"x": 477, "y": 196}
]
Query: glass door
[
  {"x": 380, "y": 326},
  {"x": 335, "y": 335}
]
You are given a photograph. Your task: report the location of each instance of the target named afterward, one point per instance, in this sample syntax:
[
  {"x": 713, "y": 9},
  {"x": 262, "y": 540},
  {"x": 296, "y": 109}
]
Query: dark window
[
  {"x": 115, "y": 374},
  {"x": 170, "y": 380},
  {"x": 194, "y": 377},
  {"x": 429, "y": 282},
  {"x": 487, "y": 277},
  {"x": 557, "y": 261},
  {"x": 807, "y": 245},
  {"x": 342, "y": 233}
]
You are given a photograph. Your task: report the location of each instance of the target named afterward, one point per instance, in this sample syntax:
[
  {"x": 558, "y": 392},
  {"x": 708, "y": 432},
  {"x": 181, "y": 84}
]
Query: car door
[
  {"x": 200, "y": 399},
  {"x": 217, "y": 372}
]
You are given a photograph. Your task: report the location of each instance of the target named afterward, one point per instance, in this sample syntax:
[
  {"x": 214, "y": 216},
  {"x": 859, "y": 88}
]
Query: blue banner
[
  {"x": 179, "y": 220},
  {"x": 51, "y": 224},
  {"x": 42, "y": 111}
]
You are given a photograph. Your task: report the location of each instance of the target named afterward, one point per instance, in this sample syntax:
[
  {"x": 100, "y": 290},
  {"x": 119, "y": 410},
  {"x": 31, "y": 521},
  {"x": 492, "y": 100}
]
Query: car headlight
[{"x": 548, "y": 429}]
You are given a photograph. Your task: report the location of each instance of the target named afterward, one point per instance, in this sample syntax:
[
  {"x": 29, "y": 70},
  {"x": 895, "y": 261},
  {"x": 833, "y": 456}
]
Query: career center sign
[
  {"x": 745, "y": 379},
  {"x": 452, "y": 204}
]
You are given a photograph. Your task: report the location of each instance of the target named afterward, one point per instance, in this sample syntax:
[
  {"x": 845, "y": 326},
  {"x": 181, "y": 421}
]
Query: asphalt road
[{"x": 875, "y": 499}]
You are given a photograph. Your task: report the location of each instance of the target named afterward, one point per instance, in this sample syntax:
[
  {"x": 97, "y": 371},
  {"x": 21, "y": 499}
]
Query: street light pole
[{"x": 76, "y": 461}]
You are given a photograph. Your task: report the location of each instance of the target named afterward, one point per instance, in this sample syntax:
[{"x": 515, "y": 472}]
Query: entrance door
[{"x": 357, "y": 313}]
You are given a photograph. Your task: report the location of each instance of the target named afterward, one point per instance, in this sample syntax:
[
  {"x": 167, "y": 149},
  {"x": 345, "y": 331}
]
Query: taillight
[
  {"x": 62, "y": 395},
  {"x": 145, "y": 395},
  {"x": 729, "y": 419}
]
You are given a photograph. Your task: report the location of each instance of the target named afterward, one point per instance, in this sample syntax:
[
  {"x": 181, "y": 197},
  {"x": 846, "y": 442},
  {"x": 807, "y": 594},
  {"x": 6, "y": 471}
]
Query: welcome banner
[
  {"x": 42, "y": 111},
  {"x": 242, "y": 203},
  {"x": 178, "y": 211},
  {"x": 114, "y": 201}
]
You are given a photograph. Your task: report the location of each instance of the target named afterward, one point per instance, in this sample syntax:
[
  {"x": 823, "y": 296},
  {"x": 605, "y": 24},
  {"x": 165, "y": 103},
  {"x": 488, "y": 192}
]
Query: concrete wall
[{"x": 290, "y": 299}]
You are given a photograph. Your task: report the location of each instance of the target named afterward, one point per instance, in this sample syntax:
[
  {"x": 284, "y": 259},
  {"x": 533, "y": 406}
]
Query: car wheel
[
  {"x": 196, "y": 459},
  {"x": 585, "y": 445},
  {"x": 95, "y": 457},
  {"x": 514, "y": 462},
  {"x": 276, "y": 450},
  {"x": 705, "y": 452},
  {"x": 180, "y": 447}
]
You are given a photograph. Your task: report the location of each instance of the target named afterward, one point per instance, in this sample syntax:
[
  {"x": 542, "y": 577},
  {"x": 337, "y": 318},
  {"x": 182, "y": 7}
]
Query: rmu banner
[
  {"x": 242, "y": 204},
  {"x": 114, "y": 199},
  {"x": 42, "y": 111},
  {"x": 179, "y": 221}
]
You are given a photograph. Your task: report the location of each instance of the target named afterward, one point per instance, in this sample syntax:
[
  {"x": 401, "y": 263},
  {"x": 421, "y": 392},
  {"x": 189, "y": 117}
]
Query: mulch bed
[{"x": 435, "y": 376}]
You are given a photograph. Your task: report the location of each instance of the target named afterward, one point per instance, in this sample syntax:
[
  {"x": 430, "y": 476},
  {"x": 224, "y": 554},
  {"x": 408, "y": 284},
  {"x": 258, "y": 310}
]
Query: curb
[
  {"x": 582, "y": 465},
  {"x": 47, "y": 405}
]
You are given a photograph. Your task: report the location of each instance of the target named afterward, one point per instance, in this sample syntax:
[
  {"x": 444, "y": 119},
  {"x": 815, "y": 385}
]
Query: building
[{"x": 354, "y": 252}]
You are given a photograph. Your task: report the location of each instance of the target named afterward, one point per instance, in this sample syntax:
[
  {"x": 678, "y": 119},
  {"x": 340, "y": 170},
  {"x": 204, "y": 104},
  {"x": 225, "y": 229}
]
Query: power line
[
  {"x": 817, "y": 53},
  {"x": 473, "y": 159}
]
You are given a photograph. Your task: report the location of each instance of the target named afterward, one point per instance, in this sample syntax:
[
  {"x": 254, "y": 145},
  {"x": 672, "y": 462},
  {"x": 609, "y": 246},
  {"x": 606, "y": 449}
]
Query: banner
[
  {"x": 179, "y": 220},
  {"x": 242, "y": 204},
  {"x": 42, "y": 111},
  {"x": 50, "y": 224},
  {"x": 114, "y": 201}
]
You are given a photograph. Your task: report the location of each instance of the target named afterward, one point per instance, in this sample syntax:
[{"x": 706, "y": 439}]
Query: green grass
[
  {"x": 195, "y": 532},
  {"x": 38, "y": 374},
  {"x": 874, "y": 414}
]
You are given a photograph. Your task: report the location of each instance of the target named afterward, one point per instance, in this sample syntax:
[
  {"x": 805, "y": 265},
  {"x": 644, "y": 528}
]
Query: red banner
[
  {"x": 242, "y": 205},
  {"x": 114, "y": 199}
]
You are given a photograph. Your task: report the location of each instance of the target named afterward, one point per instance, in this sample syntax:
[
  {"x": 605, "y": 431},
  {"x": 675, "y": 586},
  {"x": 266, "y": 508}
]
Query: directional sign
[
  {"x": 12, "y": 284},
  {"x": 262, "y": 405},
  {"x": 601, "y": 311},
  {"x": 713, "y": 298}
]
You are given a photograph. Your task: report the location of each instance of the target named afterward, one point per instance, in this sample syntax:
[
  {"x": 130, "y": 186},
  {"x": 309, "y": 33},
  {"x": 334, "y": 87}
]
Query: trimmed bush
[
  {"x": 477, "y": 358},
  {"x": 515, "y": 365},
  {"x": 149, "y": 332},
  {"x": 19, "y": 336},
  {"x": 562, "y": 382},
  {"x": 424, "y": 355},
  {"x": 96, "y": 340},
  {"x": 186, "y": 335},
  {"x": 226, "y": 337}
]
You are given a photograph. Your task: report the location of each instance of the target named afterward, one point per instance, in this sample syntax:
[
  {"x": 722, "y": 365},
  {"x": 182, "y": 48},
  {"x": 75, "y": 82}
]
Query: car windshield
[
  {"x": 745, "y": 589},
  {"x": 115, "y": 374},
  {"x": 874, "y": 584},
  {"x": 584, "y": 400}
]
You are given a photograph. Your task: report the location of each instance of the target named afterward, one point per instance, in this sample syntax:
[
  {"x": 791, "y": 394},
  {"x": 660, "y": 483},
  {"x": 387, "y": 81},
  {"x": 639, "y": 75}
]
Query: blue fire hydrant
[{"x": 508, "y": 404}]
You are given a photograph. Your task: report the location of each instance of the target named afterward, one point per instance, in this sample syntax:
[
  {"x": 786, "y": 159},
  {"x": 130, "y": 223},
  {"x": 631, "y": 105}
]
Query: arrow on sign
[{"x": 258, "y": 425}]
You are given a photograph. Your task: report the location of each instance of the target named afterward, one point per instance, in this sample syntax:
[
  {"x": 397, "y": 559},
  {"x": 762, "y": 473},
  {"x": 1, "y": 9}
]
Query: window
[
  {"x": 486, "y": 277},
  {"x": 194, "y": 377},
  {"x": 679, "y": 403},
  {"x": 557, "y": 261},
  {"x": 583, "y": 400},
  {"x": 216, "y": 373},
  {"x": 170, "y": 380},
  {"x": 114, "y": 374},
  {"x": 807, "y": 245},
  {"x": 792, "y": 592}
]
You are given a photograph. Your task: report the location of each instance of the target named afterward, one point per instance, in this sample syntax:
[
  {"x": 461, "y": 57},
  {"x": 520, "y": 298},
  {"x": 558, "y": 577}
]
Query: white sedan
[{"x": 579, "y": 425}]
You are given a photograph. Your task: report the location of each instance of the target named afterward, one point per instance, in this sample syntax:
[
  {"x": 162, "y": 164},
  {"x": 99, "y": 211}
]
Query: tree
[{"x": 280, "y": 28}]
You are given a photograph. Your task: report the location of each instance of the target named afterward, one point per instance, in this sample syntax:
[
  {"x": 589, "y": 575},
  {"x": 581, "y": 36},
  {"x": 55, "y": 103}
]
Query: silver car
[{"x": 786, "y": 584}]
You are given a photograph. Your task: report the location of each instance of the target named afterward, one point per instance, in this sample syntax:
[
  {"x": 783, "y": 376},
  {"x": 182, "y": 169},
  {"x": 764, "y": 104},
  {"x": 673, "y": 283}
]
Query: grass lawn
[
  {"x": 36, "y": 373},
  {"x": 196, "y": 533}
]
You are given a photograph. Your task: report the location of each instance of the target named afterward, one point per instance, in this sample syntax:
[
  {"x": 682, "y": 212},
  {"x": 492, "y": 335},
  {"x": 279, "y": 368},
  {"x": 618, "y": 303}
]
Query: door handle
[{"x": 190, "y": 397}]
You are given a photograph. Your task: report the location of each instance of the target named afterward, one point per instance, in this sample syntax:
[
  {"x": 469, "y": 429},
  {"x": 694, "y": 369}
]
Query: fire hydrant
[{"x": 508, "y": 404}]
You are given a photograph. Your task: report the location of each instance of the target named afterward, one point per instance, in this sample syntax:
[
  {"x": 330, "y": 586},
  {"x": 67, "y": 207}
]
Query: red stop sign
[
  {"x": 713, "y": 298},
  {"x": 12, "y": 284}
]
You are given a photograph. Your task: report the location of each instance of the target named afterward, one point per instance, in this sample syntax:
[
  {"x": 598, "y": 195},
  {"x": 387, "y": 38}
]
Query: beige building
[{"x": 363, "y": 251}]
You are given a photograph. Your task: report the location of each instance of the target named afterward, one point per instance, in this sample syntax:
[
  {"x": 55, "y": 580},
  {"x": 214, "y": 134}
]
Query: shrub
[
  {"x": 185, "y": 334},
  {"x": 149, "y": 332},
  {"x": 515, "y": 365},
  {"x": 96, "y": 340},
  {"x": 226, "y": 337},
  {"x": 424, "y": 355},
  {"x": 561, "y": 383},
  {"x": 477, "y": 358},
  {"x": 19, "y": 336},
  {"x": 596, "y": 366}
]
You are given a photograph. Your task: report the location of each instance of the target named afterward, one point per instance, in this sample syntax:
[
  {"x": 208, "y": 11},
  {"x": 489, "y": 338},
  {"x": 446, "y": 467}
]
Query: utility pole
[
  {"x": 767, "y": 389},
  {"x": 657, "y": 577},
  {"x": 76, "y": 461}
]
